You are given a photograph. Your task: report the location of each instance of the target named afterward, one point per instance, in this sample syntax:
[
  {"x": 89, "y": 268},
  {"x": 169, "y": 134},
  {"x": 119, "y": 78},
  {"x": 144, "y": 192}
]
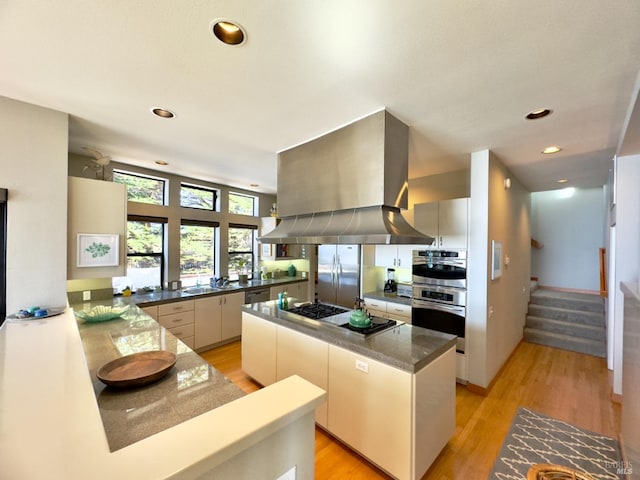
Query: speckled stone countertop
[
  {"x": 168, "y": 296},
  {"x": 405, "y": 347},
  {"x": 191, "y": 387},
  {"x": 388, "y": 297}
]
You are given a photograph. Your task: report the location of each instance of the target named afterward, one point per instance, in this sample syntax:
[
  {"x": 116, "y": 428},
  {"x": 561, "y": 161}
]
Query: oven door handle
[
  {"x": 417, "y": 303},
  {"x": 454, "y": 263}
]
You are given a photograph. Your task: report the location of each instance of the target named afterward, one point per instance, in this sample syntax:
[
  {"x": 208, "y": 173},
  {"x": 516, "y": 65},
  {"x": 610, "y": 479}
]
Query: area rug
[{"x": 534, "y": 438}]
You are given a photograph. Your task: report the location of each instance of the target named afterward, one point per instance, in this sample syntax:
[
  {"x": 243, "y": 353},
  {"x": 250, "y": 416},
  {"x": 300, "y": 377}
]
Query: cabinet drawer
[
  {"x": 183, "y": 331},
  {"x": 188, "y": 341},
  {"x": 373, "y": 304},
  {"x": 176, "y": 319},
  {"x": 399, "y": 309},
  {"x": 176, "y": 307}
]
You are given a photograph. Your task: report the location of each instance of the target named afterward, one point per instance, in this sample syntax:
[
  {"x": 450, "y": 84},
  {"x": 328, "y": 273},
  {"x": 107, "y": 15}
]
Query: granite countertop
[
  {"x": 191, "y": 387},
  {"x": 168, "y": 296},
  {"x": 388, "y": 297},
  {"x": 405, "y": 347}
]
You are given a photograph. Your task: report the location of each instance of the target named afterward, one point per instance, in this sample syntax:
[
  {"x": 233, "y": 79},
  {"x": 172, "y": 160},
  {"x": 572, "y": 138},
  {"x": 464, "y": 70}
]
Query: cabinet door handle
[
  {"x": 399, "y": 261},
  {"x": 176, "y": 320},
  {"x": 177, "y": 334}
]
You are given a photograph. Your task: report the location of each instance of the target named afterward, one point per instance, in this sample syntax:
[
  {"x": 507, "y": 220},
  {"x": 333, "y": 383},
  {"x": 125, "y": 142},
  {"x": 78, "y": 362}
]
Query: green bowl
[{"x": 102, "y": 313}]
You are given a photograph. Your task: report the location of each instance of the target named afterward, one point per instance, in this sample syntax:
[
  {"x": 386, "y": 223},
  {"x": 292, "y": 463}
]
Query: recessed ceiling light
[
  {"x": 254, "y": 185},
  {"x": 228, "y": 32},
  {"x": 541, "y": 113},
  {"x": 562, "y": 180},
  {"x": 163, "y": 112},
  {"x": 550, "y": 150},
  {"x": 161, "y": 162}
]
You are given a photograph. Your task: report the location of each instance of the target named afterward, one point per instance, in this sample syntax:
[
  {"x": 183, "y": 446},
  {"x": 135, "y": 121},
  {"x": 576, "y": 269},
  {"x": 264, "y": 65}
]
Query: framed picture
[
  {"x": 266, "y": 249},
  {"x": 496, "y": 259},
  {"x": 98, "y": 250}
]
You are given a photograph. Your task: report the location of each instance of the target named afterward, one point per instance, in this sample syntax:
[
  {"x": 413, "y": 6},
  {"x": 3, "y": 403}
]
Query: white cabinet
[
  {"x": 358, "y": 388},
  {"x": 299, "y": 354},
  {"x": 259, "y": 349},
  {"x": 394, "y": 256},
  {"x": 178, "y": 318},
  {"x": 447, "y": 221},
  {"x": 218, "y": 318},
  {"x": 277, "y": 251},
  {"x": 390, "y": 310}
]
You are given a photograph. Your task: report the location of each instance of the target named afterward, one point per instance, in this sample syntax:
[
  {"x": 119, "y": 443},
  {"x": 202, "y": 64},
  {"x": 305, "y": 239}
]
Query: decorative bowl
[{"x": 102, "y": 313}]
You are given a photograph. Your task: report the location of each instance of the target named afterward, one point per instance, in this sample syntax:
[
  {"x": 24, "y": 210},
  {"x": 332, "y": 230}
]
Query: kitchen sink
[{"x": 197, "y": 290}]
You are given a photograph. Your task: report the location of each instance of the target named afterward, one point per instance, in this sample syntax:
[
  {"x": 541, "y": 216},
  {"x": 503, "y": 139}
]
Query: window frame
[
  {"x": 215, "y": 192},
  {"x": 200, "y": 223},
  {"x": 163, "y": 252},
  {"x": 164, "y": 181},
  {"x": 230, "y": 253},
  {"x": 255, "y": 203}
]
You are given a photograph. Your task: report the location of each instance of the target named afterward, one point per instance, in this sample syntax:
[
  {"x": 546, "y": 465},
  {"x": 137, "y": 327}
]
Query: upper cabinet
[
  {"x": 397, "y": 256},
  {"x": 447, "y": 221},
  {"x": 96, "y": 229}
]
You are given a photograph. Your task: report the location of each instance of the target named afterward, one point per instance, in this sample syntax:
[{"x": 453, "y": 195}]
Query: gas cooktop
[{"x": 336, "y": 316}]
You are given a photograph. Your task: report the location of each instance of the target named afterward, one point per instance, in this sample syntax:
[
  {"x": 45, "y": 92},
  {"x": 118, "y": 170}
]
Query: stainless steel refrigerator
[{"x": 338, "y": 274}]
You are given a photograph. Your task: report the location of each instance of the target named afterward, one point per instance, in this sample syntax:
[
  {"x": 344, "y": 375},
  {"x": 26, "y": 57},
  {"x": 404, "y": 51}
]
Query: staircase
[{"x": 571, "y": 321}]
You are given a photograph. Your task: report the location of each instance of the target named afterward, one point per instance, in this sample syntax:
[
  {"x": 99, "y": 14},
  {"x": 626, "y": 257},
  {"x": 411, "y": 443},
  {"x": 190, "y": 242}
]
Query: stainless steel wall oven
[{"x": 439, "y": 298}]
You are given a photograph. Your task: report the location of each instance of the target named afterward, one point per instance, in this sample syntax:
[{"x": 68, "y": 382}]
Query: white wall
[
  {"x": 33, "y": 165},
  {"x": 572, "y": 230},
  {"x": 496, "y": 309}
]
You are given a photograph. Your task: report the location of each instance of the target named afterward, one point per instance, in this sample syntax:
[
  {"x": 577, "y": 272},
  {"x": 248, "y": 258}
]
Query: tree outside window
[
  {"x": 142, "y": 189},
  {"x": 197, "y": 252},
  {"x": 241, "y": 250},
  {"x": 242, "y": 204}
]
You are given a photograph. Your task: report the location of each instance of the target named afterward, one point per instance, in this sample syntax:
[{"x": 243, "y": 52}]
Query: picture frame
[
  {"x": 496, "y": 259},
  {"x": 98, "y": 250},
  {"x": 266, "y": 250}
]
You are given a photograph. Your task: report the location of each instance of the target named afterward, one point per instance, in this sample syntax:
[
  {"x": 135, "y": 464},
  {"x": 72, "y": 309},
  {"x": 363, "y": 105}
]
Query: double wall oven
[{"x": 439, "y": 299}]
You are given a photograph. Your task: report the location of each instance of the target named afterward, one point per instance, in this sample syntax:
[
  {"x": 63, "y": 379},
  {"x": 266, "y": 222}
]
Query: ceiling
[{"x": 461, "y": 74}]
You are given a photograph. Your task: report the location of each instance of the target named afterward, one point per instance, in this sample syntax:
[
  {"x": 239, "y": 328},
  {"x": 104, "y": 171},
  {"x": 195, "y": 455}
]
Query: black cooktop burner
[
  {"x": 317, "y": 310},
  {"x": 374, "y": 327}
]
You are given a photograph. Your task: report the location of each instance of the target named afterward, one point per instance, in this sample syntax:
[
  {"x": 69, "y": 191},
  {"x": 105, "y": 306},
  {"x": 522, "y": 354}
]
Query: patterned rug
[{"x": 534, "y": 438}]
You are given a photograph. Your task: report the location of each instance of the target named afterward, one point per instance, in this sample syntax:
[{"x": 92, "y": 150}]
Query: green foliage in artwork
[{"x": 98, "y": 249}]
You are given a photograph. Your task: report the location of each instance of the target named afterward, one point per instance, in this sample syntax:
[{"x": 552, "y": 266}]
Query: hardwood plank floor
[{"x": 569, "y": 386}]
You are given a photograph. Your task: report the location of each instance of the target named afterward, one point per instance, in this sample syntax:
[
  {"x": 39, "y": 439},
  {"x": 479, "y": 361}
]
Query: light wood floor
[{"x": 568, "y": 386}]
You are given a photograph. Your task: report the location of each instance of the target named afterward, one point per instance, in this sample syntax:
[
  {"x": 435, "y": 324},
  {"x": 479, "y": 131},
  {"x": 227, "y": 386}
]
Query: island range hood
[{"x": 347, "y": 186}]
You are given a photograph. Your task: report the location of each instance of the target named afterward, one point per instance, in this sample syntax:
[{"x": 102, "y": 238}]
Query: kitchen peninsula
[
  {"x": 390, "y": 396},
  {"x": 51, "y": 424}
]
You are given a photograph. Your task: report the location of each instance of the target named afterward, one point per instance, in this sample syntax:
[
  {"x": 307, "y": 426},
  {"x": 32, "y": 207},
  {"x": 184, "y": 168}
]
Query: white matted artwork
[
  {"x": 496, "y": 259},
  {"x": 98, "y": 250}
]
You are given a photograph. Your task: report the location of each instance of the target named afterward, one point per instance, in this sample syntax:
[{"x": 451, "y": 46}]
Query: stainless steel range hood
[{"x": 347, "y": 186}]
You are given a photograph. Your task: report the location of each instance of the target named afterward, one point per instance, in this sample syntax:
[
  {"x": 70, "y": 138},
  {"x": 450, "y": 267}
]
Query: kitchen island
[
  {"x": 51, "y": 424},
  {"x": 390, "y": 396}
]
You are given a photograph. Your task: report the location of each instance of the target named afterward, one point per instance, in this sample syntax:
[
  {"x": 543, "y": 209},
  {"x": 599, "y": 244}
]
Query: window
[
  {"x": 140, "y": 188},
  {"x": 193, "y": 196},
  {"x": 241, "y": 244},
  {"x": 197, "y": 252},
  {"x": 243, "y": 204},
  {"x": 145, "y": 252}
]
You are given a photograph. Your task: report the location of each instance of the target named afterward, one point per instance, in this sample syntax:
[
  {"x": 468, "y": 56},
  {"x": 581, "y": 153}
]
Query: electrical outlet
[
  {"x": 86, "y": 295},
  {"x": 362, "y": 366}
]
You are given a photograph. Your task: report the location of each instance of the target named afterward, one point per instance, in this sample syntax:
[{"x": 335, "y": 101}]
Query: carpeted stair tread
[
  {"x": 594, "y": 332},
  {"x": 569, "y": 300},
  {"x": 557, "y": 313},
  {"x": 566, "y": 342}
]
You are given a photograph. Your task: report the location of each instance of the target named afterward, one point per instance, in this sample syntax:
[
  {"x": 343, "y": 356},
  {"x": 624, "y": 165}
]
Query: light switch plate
[
  {"x": 86, "y": 295},
  {"x": 362, "y": 366}
]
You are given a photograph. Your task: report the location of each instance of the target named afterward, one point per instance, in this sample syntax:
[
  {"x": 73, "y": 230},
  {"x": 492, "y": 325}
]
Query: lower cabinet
[
  {"x": 399, "y": 420},
  {"x": 217, "y": 319},
  {"x": 390, "y": 310},
  {"x": 259, "y": 344},
  {"x": 178, "y": 318},
  {"x": 299, "y": 354},
  {"x": 370, "y": 409}
]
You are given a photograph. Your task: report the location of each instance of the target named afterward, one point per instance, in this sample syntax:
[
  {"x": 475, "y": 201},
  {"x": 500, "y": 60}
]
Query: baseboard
[
  {"x": 484, "y": 391},
  {"x": 569, "y": 290}
]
